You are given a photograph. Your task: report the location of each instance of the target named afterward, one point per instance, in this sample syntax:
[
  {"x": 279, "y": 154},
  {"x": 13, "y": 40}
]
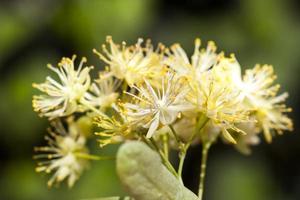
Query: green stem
[
  {"x": 199, "y": 126},
  {"x": 92, "y": 108},
  {"x": 146, "y": 140},
  {"x": 184, "y": 147},
  {"x": 124, "y": 88},
  {"x": 166, "y": 162},
  {"x": 92, "y": 157},
  {"x": 205, "y": 149},
  {"x": 175, "y": 134},
  {"x": 165, "y": 139},
  {"x": 182, "y": 155}
]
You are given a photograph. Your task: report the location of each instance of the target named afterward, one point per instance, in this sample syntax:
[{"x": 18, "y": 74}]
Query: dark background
[{"x": 34, "y": 33}]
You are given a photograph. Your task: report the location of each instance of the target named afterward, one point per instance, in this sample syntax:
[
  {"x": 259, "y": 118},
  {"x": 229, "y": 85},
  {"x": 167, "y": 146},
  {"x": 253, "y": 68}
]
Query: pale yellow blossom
[
  {"x": 63, "y": 98},
  {"x": 260, "y": 95},
  {"x": 133, "y": 63},
  {"x": 153, "y": 106},
  {"x": 65, "y": 154},
  {"x": 221, "y": 103},
  {"x": 103, "y": 92},
  {"x": 271, "y": 116},
  {"x": 201, "y": 60}
]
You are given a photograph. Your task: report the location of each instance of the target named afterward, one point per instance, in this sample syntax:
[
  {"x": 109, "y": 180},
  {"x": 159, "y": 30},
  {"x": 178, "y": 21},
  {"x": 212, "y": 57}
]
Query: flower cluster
[
  {"x": 161, "y": 96},
  {"x": 66, "y": 153}
]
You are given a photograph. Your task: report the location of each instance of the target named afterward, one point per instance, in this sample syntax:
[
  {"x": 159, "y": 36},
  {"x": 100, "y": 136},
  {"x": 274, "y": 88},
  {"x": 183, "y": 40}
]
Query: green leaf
[{"x": 145, "y": 177}]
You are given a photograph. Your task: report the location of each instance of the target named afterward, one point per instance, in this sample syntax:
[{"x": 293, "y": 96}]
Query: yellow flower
[
  {"x": 201, "y": 60},
  {"x": 66, "y": 154},
  {"x": 221, "y": 103},
  {"x": 270, "y": 115},
  {"x": 159, "y": 105},
  {"x": 113, "y": 130},
  {"x": 133, "y": 63},
  {"x": 103, "y": 93},
  {"x": 258, "y": 83},
  {"x": 228, "y": 71},
  {"x": 260, "y": 94},
  {"x": 62, "y": 98}
]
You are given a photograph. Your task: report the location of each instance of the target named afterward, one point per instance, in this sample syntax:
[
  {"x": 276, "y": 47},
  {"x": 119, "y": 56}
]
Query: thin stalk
[
  {"x": 167, "y": 163},
  {"x": 182, "y": 155},
  {"x": 205, "y": 149},
  {"x": 175, "y": 134},
  {"x": 165, "y": 139},
  {"x": 124, "y": 88},
  {"x": 92, "y": 108},
  {"x": 199, "y": 126},
  {"x": 92, "y": 157},
  {"x": 146, "y": 140},
  {"x": 184, "y": 147},
  {"x": 152, "y": 144}
]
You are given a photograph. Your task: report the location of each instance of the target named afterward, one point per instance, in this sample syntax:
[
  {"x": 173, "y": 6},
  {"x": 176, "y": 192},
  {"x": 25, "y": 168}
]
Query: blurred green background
[{"x": 34, "y": 33}]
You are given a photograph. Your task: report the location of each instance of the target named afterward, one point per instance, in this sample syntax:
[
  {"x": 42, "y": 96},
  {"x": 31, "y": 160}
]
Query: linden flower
[
  {"x": 153, "y": 107},
  {"x": 114, "y": 131},
  {"x": 221, "y": 104},
  {"x": 201, "y": 60},
  {"x": 257, "y": 83},
  {"x": 133, "y": 63},
  {"x": 66, "y": 154},
  {"x": 63, "y": 98},
  {"x": 271, "y": 117},
  {"x": 103, "y": 91},
  {"x": 258, "y": 88},
  {"x": 228, "y": 70}
]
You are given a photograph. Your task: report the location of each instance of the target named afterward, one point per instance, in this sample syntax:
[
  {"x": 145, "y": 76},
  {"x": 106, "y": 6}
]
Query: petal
[
  {"x": 153, "y": 127},
  {"x": 228, "y": 136}
]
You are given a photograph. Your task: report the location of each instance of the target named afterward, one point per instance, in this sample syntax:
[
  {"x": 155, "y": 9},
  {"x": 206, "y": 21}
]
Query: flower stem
[
  {"x": 183, "y": 148},
  {"x": 92, "y": 157},
  {"x": 166, "y": 162},
  {"x": 165, "y": 139},
  {"x": 199, "y": 126},
  {"x": 124, "y": 88},
  {"x": 182, "y": 155},
  {"x": 205, "y": 149},
  {"x": 92, "y": 108},
  {"x": 175, "y": 134}
]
